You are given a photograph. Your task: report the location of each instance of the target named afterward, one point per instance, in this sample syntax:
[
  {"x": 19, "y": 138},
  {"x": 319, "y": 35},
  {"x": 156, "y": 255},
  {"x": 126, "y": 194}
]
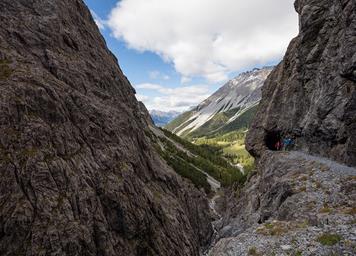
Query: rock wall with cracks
[
  {"x": 312, "y": 93},
  {"x": 78, "y": 174},
  {"x": 294, "y": 199}
]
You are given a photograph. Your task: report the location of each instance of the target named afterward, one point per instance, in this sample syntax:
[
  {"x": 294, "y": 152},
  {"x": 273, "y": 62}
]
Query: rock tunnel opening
[{"x": 271, "y": 139}]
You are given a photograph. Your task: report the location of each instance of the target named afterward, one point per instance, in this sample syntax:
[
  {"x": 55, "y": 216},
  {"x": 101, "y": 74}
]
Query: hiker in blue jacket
[{"x": 287, "y": 142}]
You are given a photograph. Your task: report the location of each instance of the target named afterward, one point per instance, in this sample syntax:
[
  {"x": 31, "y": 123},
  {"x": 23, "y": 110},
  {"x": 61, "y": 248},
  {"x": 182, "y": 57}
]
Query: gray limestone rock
[
  {"x": 296, "y": 203},
  {"x": 287, "y": 207},
  {"x": 311, "y": 95},
  {"x": 78, "y": 173}
]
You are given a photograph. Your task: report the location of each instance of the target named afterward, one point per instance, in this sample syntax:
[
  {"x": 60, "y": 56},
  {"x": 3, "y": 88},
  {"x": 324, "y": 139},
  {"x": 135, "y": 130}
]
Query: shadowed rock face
[
  {"x": 312, "y": 93},
  {"x": 78, "y": 174}
]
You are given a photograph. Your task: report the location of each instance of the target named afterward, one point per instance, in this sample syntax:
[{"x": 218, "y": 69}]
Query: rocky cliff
[
  {"x": 311, "y": 95},
  {"x": 296, "y": 203},
  {"x": 78, "y": 174}
]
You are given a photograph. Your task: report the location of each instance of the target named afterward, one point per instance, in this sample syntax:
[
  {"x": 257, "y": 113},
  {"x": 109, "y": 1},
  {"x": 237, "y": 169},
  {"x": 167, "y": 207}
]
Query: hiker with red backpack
[{"x": 279, "y": 145}]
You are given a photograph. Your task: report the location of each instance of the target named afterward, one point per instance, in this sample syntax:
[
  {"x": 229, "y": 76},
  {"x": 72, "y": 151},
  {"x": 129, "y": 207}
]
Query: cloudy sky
[{"x": 178, "y": 52}]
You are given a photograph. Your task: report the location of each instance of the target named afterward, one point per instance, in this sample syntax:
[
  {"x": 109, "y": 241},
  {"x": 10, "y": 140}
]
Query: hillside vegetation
[
  {"x": 232, "y": 145},
  {"x": 219, "y": 124},
  {"x": 226, "y": 141},
  {"x": 179, "y": 120},
  {"x": 190, "y": 161}
]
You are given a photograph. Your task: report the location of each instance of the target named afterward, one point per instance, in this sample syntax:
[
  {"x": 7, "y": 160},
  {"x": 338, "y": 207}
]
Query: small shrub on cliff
[
  {"x": 350, "y": 211},
  {"x": 329, "y": 239},
  {"x": 275, "y": 228},
  {"x": 303, "y": 189},
  {"x": 5, "y": 70},
  {"x": 325, "y": 208},
  {"x": 253, "y": 251}
]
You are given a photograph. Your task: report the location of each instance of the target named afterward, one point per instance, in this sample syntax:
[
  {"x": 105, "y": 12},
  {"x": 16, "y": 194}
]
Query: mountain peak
[{"x": 233, "y": 99}]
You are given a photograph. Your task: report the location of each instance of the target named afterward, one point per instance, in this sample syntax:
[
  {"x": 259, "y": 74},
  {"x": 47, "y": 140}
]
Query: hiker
[
  {"x": 285, "y": 143},
  {"x": 288, "y": 142},
  {"x": 278, "y": 145}
]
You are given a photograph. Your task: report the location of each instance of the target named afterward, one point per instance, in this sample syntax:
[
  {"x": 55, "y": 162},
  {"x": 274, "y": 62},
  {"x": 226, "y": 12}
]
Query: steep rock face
[
  {"x": 78, "y": 174},
  {"x": 295, "y": 203},
  {"x": 312, "y": 94}
]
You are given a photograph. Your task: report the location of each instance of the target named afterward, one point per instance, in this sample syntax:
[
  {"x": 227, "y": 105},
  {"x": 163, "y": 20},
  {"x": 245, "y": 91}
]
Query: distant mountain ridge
[
  {"x": 228, "y": 108},
  {"x": 161, "y": 118}
]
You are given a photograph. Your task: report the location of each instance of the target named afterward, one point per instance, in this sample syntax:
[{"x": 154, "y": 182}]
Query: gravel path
[{"x": 340, "y": 168}]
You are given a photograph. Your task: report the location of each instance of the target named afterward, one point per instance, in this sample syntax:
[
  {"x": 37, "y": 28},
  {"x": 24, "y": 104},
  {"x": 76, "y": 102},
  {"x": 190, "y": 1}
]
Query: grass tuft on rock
[
  {"x": 5, "y": 70},
  {"x": 253, "y": 251},
  {"x": 329, "y": 239}
]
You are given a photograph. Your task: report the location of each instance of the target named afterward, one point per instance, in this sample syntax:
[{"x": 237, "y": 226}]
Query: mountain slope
[
  {"x": 79, "y": 175},
  {"x": 203, "y": 165},
  {"x": 224, "y": 107},
  {"x": 161, "y": 118}
]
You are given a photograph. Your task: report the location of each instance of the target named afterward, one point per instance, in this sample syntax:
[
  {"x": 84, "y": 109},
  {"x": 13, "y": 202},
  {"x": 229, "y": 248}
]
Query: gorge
[{"x": 84, "y": 171}]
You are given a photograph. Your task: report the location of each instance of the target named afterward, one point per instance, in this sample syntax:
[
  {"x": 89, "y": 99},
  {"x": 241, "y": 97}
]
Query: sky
[{"x": 176, "y": 53}]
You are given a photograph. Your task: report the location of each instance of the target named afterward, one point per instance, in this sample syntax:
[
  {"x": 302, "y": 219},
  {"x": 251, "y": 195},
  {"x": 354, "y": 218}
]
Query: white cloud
[
  {"x": 155, "y": 74},
  {"x": 185, "y": 79},
  {"x": 208, "y": 38},
  {"x": 141, "y": 97},
  {"x": 177, "y": 99}
]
